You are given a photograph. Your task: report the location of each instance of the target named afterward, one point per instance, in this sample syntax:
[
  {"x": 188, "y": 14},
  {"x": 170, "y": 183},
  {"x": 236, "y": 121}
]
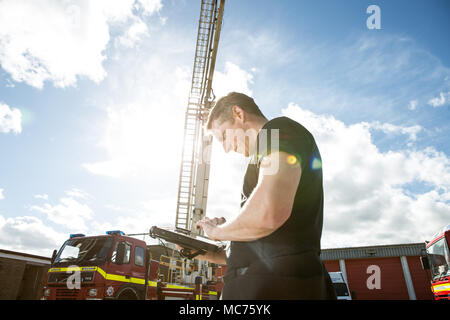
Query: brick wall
[{"x": 11, "y": 273}]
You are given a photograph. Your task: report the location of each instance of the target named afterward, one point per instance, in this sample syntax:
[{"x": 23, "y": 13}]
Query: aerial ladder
[{"x": 196, "y": 153}]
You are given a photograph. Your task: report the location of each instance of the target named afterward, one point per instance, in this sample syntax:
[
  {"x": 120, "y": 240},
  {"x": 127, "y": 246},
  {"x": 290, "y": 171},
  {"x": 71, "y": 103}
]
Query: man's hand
[
  {"x": 210, "y": 226},
  {"x": 213, "y": 257}
]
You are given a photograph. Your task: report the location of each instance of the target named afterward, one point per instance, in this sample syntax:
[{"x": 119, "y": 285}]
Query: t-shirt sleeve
[{"x": 289, "y": 137}]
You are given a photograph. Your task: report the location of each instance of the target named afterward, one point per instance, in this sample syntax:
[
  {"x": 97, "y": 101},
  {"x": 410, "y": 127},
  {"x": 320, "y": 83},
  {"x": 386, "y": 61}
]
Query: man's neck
[{"x": 258, "y": 123}]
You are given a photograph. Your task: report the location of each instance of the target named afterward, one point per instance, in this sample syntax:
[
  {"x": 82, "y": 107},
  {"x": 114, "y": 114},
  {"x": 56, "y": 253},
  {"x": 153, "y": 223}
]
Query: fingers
[
  {"x": 217, "y": 221},
  {"x": 207, "y": 221},
  {"x": 221, "y": 220},
  {"x": 199, "y": 224}
]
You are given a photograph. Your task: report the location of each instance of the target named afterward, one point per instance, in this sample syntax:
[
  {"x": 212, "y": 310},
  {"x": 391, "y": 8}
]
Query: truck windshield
[
  {"x": 439, "y": 259},
  {"x": 83, "y": 251}
]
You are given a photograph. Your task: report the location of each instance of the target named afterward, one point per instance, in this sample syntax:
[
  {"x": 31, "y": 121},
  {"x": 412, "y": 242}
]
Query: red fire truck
[
  {"x": 113, "y": 266},
  {"x": 438, "y": 261}
]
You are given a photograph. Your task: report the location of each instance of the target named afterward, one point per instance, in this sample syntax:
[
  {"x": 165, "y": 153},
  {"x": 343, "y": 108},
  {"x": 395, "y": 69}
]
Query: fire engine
[
  {"x": 119, "y": 266},
  {"x": 116, "y": 266},
  {"x": 438, "y": 261}
]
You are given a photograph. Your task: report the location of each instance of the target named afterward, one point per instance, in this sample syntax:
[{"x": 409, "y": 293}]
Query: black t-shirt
[{"x": 300, "y": 234}]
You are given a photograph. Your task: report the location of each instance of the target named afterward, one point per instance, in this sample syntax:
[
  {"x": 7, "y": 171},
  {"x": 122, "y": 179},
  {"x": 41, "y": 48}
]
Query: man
[{"x": 275, "y": 239}]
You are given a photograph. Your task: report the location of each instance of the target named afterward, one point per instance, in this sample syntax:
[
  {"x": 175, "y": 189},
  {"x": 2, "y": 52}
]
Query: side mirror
[
  {"x": 425, "y": 262},
  {"x": 54, "y": 256},
  {"x": 198, "y": 280}
]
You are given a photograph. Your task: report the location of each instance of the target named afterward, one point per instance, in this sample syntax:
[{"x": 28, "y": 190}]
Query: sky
[{"x": 93, "y": 96}]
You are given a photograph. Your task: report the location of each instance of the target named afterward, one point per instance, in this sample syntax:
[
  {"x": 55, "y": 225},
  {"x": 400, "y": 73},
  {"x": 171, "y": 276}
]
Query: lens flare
[
  {"x": 291, "y": 160},
  {"x": 316, "y": 164}
]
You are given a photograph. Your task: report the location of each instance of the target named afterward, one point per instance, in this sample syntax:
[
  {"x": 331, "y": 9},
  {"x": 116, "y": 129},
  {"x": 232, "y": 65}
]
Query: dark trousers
[{"x": 287, "y": 278}]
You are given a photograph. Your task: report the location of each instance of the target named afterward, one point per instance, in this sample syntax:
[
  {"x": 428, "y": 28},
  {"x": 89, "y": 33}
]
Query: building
[
  {"x": 22, "y": 276},
  {"x": 388, "y": 272}
]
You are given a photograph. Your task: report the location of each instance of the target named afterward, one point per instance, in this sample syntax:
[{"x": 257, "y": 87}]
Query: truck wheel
[{"x": 127, "y": 294}]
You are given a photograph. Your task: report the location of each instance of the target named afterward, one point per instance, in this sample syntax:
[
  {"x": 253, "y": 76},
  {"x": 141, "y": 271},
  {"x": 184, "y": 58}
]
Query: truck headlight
[
  {"x": 87, "y": 276},
  {"x": 47, "y": 292},
  {"x": 92, "y": 292}
]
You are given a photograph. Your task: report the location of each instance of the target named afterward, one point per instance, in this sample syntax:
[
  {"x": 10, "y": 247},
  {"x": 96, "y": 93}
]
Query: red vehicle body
[
  {"x": 439, "y": 263},
  {"x": 113, "y": 266}
]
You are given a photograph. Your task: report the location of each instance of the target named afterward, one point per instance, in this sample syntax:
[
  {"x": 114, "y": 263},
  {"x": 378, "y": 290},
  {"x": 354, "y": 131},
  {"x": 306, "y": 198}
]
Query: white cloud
[
  {"x": 41, "y": 196},
  {"x": 58, "y": 41},
  {"x": 10, "y": 119},
  {"x": 366, "y": 196},
  {"x": 149, "y": 6},
  {"x": 30, "y": 235},
  {"x": 438, "y": 101},
  {"x": 112, "y": 168},
  {"x": 233, "y": 78},
  {"x": 413, "y": 104},
  {"x": 388, "y": 128},
  {"x": 69, "y": 212},
  {"x": 77, "y": 193},
  {"x": 133, "y": 34}
]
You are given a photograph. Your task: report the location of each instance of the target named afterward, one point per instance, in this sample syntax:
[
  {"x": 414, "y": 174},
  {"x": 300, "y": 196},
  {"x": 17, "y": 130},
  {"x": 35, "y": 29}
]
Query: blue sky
[{"x": 92, "y": 101}]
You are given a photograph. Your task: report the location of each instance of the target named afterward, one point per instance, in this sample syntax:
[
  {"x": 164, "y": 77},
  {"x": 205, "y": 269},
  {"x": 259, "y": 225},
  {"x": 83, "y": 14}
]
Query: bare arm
[
  {"x": 269, "y": 205},
  {"x": 213, "y": 257}
]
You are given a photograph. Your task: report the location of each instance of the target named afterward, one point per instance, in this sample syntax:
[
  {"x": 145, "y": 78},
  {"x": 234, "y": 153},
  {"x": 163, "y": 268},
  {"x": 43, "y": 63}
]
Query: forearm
[
  {"x": 252, "y": 223},
  {"x": 214, "y": 257}
]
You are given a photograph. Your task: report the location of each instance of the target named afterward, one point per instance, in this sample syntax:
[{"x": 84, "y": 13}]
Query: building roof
[
  {"x": 30, "y": 258},
  {"x": 383, "y": 251}
]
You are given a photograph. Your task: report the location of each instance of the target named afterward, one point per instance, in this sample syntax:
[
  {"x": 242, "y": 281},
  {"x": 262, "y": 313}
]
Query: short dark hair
[{"x": 222, "y": 110}]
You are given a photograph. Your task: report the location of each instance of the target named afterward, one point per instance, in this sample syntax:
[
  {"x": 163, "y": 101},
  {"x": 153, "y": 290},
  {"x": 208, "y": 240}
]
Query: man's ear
[{"x": 238, "y": 113}]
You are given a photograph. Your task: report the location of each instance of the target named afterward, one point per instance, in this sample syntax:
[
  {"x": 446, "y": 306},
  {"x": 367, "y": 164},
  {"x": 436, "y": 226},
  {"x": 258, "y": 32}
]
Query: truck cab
[{"x": 438, "y": 261}]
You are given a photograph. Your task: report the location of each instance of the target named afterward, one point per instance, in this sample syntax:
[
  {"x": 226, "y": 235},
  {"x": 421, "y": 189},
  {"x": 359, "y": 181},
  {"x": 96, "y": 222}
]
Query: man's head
[{"x": 235, "y": 121}]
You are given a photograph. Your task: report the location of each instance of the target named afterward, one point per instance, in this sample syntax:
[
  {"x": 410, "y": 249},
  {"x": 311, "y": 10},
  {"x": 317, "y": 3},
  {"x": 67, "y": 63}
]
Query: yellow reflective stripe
[
  {"x": 72, "y": 269},
  {"x": 178, "y": 287},
  {"x": 102, "y": 273},
  {"x": 198, "y": 297},
  {"x": 212, "y": 293},
  {"x": 442, "y": 287},
  {"x": 107, "y": 276},
  {"x": 137, "y": 280},
  {"x": 152, "y": 283},
  {"x": 115, "y": 277}
]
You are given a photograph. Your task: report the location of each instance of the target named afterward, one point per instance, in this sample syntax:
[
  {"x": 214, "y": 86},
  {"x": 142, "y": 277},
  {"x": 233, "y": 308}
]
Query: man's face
[{"x": 234, "y": 136}]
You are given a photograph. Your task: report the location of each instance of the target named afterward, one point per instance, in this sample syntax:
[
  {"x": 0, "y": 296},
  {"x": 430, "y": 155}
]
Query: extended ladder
[{"x": 194, "y": 171}]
